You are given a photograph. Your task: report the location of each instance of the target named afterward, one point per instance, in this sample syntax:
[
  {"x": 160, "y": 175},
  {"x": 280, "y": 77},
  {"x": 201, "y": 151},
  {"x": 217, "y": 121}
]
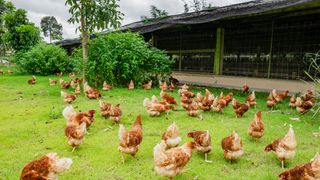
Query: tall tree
[
  {"x": 155, "y": 13},
  {"x": 93, "y": 15},
  {"x": 5, "y": 7},
  {"x": 51, "y": 28},
  {"x": 196, "y": 5}
]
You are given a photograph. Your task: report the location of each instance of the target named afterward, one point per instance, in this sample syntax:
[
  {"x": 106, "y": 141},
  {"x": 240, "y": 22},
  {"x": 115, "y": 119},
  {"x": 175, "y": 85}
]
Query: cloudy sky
[{"x": 132, "y": 9}]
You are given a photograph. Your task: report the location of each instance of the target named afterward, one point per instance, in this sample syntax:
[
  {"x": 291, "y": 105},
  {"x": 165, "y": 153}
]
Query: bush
[
  {"x": 43, "y": 59},
  {"x": 119, "y": 57}
]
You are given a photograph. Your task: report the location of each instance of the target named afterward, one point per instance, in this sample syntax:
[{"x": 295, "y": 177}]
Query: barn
[{"x": 267, "y": 39}]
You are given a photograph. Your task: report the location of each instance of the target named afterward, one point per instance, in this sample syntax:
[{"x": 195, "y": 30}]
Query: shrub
[
  {"x": 119, "y": 57},
  {"x": 43, "y": 59}
]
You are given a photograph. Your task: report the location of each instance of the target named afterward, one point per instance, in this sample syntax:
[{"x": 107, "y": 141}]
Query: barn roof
[{"x": 221, "y": 13}]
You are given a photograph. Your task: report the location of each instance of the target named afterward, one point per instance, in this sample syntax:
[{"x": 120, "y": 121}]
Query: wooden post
[
  {"x": 270, "y": 52},
  {"x": 154, "y": 40},
  {"x": 218, "y": 56}
]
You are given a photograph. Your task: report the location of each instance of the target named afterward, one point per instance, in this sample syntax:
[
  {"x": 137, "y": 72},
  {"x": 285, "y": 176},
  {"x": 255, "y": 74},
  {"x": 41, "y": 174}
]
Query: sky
[{"x": 132, "y": 9}]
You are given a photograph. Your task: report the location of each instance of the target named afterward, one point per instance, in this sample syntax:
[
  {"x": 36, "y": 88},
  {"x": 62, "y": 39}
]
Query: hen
[
  {"x": 59, "y": 74},
  {"x": 245, "y": 88},
  {"x": 10, "y": 71},
  {"x": 147, "y": 85},
  {"x": 71, "y": 75},
  {"x": 131, "y": 85},
  {"x": 77, "y": 91},
  {"x": 105, "y": 109},
  {"x": 218, "y": 105},
  {"x": 307, "y": 171},
  {"x": 115, "y": 113},
  {"x": 171, "y": 162},
  {"x": 232, "y": 146},
  {"x": 64, "y": 84},
  {"x": 75, "y": 134},
  {"x": 279, "y": 97},
  {"x": 167, "y": 98},
  {"x": 163, "y": 85},
  {"x": 182, "y": 89},
  {"x": 202, "y": 141},
  {"x": 106, "y": 86},
  {"x": 171, "y": 136},
  {"x": 52, "y": 82},
  {"x": 45, "y": 168},
  {"x": 186, "y": 101},
  {"x": 192, "y": 108},
  {"x": 1, "y": 71},
  {"x": 155, "y": 108},
  {"x": 90, "y": 92},
  {"x": 303, "y": 106},
  {"x": 228, "y": 98},
  {"x": 74, "y": 83},
  {"x": 171, "y": 87},
  {"x": 72, "y": 116},
  {"x": 292, "y": 102},
  {"x": 252, "y": 99},
  {"x": 271, "y": 102},
  {"x": 68, "y": 98},
  {"x": 32, "y": 80},
  {"x": 256, "y": 128},
  {"x": 130, "y": 140},
  {"x": 284, "y": 148},
  {"x": 239, "y": 108}
]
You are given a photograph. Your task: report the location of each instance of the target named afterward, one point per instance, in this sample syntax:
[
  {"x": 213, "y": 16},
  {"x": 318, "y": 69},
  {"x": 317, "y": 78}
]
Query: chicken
[
  {"x": 171, "y": 136},
  {"x": 218, "y": 105},
  {"x": 52, "y": 82},
  {"x": 105, "y": 109},
  {"x": 284, "y": 148},
  {"x": 72, "y": 116},
  {"x": 279, "y": 97},
  {"x": 271, "y": 102},
  {"x": 32, "y": 80},
  {"x": 64, "y": 84},
  {"x": 256, "y": 128},
  {"x": 77, "y": 91},
  {"x": 115, "y": 113},
  {"x": 171, "y": 162},
  {"x": 192, "y": 108},
  {"x": 147, "y": 85},
  {"x": 167, "y": 98},
  {"x": 232, "y": 146},
  {"x": 131, "y": 85},
  {"x": 75, "y": 133},
  {"x": 91, "y": 92},
  {"x": 59, "y": 74},
  {"x": 292, "y": 102},
  {"x": 74, "y": 83},
  {"x": 130, "y": 140},
  {"x": 307, "y": 171},
  {"x": 206, "y": 102},
  {"x": 252, "y": 99},
  {"x": 171, "y": 87},
  {"x": 1, "y": 72},
  {"x": 156, "y": 108},
  {"x": 45, "y": 168},
  {"x": 228, "y": 98},
  {"x": 188, "y": 94},
  {"x": 245, "y": 88},
  {"x": 303, "y": 106},
  {"x": 10, "y": 71},
  {"x": 106, "y": 86},
  {"x": 163, "y": 85},
  {"x": 173, "y": 80},
  {"x": 71, "y": 75},
  {"x": 239, "y": 108},
  {"x": 68, "y": 98},
  {"x": 202, "y": 141},
  {"x": 186, "y": 101},
  {"x": 309, "y": 96},
  {"x": 182, "y": 89}
]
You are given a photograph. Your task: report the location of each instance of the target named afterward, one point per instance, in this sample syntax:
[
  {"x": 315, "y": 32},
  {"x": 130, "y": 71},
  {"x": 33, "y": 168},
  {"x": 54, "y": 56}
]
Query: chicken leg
[
  {"x": 206, "y": 158},
  {"x": 282, "y": 164},
  {"x": 122, "y": 158}
]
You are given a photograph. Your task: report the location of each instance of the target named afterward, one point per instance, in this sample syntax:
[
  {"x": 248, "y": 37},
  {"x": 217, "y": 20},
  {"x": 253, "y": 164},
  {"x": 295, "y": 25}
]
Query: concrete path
[{"x": 235, "y": 82}]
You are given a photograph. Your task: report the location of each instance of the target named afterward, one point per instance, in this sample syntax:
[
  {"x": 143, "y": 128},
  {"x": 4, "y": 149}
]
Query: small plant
[{"x": 54, "y": 113}]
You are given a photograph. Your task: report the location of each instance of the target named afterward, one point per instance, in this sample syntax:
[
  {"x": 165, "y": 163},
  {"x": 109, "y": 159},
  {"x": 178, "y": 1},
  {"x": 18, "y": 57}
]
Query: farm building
[{"x": 263, "y": 39}]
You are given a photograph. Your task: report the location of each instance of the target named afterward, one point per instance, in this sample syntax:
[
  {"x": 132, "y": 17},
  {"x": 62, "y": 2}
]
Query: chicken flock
[{"x": 171, "y": 157}]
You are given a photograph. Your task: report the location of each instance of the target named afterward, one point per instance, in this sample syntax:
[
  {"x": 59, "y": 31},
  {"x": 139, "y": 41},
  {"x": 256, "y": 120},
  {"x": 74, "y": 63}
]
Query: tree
[
  {"x": 155, "y": 13},
  {"x": 93, "y": 15},
  {"x": 196, "y": 5},
  {"x": 5, "y": 7},
  {"x": 51, "y": 28}
]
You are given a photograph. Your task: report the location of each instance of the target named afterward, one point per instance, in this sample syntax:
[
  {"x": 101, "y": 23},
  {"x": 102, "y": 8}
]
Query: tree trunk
[{"x": 85, "y": 41}]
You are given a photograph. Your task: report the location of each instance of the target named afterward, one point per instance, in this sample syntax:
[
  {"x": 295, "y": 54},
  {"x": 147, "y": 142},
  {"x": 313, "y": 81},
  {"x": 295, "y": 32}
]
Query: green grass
[{"x": 31, "y": 125}]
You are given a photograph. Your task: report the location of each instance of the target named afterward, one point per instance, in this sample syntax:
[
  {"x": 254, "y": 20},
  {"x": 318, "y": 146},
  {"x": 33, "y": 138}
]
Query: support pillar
[{"x": 218, "y": 56}]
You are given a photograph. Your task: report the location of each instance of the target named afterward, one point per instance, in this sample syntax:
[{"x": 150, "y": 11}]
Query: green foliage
[
  {"x": 51, "y": 28},
  {"x": 43, "y": 59},
  {"x": 119, "y": 57},
  {"x": 155, "y": 14}
]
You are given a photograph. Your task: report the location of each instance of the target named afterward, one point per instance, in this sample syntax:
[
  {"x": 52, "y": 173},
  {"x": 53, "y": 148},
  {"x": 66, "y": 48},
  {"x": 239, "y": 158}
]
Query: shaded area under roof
[{"x": 238, "y": 10}]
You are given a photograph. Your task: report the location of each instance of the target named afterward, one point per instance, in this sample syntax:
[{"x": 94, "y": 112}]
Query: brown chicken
[
  {"x": 72, "y": 116},
  {"x": 292, "y": 102},
  {"x": 155, "y": 108},
  {"x": 252, "y": 99},
  {"x": 163, "y": 85},
  {"x": 115, "y": 113},
  {"x": 171, "y": 136},
  {"x": 232, "y": 146},
  {"x": 59, "y": 74},
  {"x": 10, "y": 71},
  {"x": 218, "y": 104},
  {"x": 202, "y": 141},
  {"x": 256, "y": 128},
  {"x": 279, "y": 97},
  {"x": 71, "y": 75},
  {"x": 68, "y": 98},
  {"x": 245, "y": 88},
  {"x": 308, "y": 171},
  {"x": 52, "y": 82},
  {"x": 1, "y": 72},
  {"x": 106, "y": 86},
  {"x": 77, "y": 91},
  {"x": 228, "y": 98},
  {"x": 186, "y": 101},
  {"x": 74, "y": 83},
  {"x": 91, "y": 92},
  {"x": 171, "y": 87},
  {"x": 192, "y": 109},
  {"x": 188, "y": 94},
  {"x": 131, "y": 85},
  {"x": 45, "y": 168},
  {"x": 147, "y": 85},
  {"x": 171, "y": 162},
  {"x": 284, "y": 148},
  {"x": 167, "y": 98},
  {"x": 130, "y": 140},
  {"x": 271, "y": 102},
  {"x": 309, "y": 96},
  {"x": 239, "y": 108},
  {"x": 105, "y": 109},
  {"x": 32, "y": 80},
  {"x": 75, "y": 133},
  {"x": 183, "y": 88},
  {"x": 303, "y": 106},
  {"x": 64, "y": 84}
]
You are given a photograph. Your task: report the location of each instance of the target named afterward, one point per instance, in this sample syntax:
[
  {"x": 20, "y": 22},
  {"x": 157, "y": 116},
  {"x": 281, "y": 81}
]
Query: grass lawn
[{"x": 31, "y": 125}]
